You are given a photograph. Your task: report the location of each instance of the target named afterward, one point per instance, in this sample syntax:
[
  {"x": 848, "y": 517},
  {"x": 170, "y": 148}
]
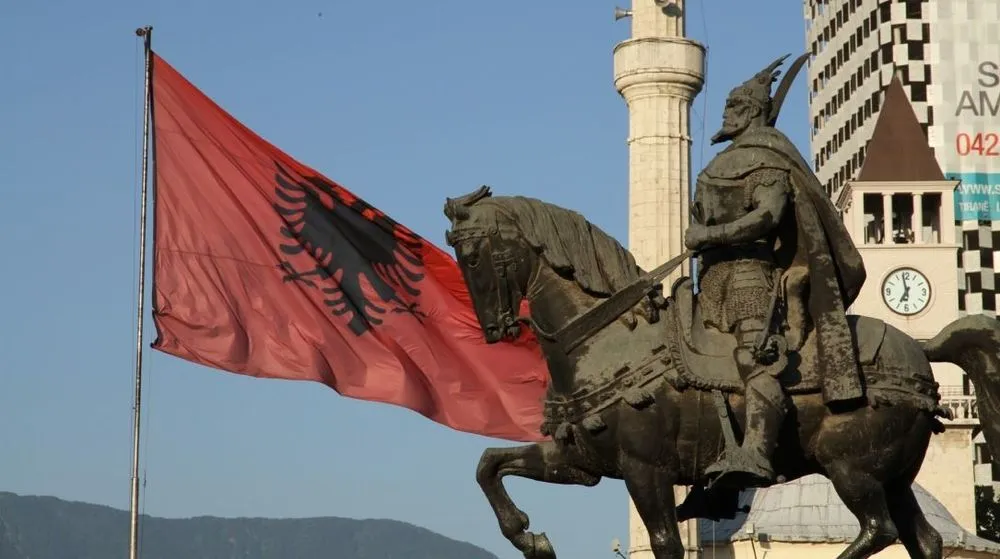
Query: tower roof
[
  {"x": 808, "y": 510},
  {"x": 898, "y": 149}
]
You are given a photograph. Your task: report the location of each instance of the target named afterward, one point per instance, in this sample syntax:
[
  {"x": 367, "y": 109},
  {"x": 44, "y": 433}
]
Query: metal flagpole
[{"x": 133, "y": 546}]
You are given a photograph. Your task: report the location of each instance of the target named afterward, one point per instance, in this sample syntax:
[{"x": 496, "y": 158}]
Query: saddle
[{"x": 705, "y": 360}]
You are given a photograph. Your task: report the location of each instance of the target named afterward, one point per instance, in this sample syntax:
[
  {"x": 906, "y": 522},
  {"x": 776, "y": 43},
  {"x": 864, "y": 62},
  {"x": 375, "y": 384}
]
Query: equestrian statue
[{"x": 758, "y": 378}]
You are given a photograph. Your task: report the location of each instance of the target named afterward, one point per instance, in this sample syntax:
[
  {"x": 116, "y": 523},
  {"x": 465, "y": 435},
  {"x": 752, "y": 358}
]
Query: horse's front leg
[{"x": 541, "y": 462}]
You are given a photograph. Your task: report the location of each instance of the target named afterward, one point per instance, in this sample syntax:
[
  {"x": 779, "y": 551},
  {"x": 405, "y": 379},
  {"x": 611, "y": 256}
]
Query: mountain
[{"x": 50, "y": 528}]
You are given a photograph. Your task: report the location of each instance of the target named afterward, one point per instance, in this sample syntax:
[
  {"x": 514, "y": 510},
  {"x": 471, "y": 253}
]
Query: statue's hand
[{"x": 696, "y": 236}]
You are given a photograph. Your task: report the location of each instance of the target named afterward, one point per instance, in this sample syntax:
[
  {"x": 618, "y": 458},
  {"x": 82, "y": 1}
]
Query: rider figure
[{"x": 745, "y": 199}]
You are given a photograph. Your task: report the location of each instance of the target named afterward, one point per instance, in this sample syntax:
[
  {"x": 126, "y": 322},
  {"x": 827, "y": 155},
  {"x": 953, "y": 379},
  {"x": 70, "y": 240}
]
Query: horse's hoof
[{"x": 541, "y": 547}]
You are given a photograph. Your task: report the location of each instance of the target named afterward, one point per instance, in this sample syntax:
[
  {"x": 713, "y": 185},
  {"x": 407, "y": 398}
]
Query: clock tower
[{"x": 900, "y": 212}]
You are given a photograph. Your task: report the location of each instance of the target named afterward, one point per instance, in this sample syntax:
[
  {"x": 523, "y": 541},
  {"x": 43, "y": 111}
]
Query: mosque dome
[{"x": 808, "y": 510}]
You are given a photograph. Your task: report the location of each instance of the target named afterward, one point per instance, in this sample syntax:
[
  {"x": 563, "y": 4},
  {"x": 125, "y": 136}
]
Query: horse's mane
[{"x": 574, "y": 247}]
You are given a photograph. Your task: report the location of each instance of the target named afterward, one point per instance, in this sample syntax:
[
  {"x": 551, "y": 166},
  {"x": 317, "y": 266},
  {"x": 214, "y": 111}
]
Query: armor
[
  {"x": 760, "y": 218},
  {"x": 738, "y": 279}
]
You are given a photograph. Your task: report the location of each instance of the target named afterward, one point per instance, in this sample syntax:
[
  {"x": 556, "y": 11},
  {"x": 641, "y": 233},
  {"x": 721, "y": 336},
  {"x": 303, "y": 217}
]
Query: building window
[
  {"x": 915, "y": 50},
  {"x": 930, "y": 227},
  {"x": 898, "y": 34},
  {"x": 874, "y": 231},
  {"x": 902, "y": 219},
  {"x": 904, "y": 74},
  {"x": 886, "y": 52},
  {"x": 918, "y": 92}
]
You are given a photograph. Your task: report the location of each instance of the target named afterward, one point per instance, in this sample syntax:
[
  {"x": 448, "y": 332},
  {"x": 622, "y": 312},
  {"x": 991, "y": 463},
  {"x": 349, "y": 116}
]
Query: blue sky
[{"x": 404, "y": 103}]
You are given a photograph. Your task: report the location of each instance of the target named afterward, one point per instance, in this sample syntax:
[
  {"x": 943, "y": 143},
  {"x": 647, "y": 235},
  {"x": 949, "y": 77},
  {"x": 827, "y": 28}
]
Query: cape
[{"x": 812, "y": 237}]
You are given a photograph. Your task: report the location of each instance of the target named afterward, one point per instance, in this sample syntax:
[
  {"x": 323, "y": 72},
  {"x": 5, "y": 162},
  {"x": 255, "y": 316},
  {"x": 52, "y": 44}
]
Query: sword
[{"x": 604, "y": 313}]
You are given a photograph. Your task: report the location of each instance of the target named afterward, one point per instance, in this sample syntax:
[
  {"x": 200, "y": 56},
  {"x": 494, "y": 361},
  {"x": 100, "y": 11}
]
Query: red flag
[{"x": 262, "y": 266}]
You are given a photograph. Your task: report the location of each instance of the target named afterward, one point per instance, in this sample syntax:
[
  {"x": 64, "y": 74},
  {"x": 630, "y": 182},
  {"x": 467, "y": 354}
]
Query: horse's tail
[{"x": 973, "y": 343}]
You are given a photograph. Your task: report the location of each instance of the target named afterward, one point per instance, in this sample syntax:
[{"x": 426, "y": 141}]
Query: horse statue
[{"x": 641, "y": 390}]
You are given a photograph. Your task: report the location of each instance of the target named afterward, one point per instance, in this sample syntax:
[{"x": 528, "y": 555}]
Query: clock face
[{"x": 906, "y": 291}]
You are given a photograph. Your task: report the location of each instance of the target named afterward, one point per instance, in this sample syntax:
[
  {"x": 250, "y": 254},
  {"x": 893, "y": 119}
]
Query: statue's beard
[{"x": 726, "y": 133}]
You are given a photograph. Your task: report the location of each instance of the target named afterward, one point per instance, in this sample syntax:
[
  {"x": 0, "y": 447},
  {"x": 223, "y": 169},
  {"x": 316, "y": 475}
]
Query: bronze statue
[
  {"x": 649, "y": 390},
  {"x": 764, "y": 230}
]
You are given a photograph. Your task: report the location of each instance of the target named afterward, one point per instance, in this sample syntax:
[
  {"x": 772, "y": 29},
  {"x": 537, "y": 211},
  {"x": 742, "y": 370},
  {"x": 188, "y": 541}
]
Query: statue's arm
[{"x": 770, "y": 193}]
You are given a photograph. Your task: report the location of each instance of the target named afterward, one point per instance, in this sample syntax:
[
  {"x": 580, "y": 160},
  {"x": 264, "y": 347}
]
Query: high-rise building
[
  {"x": 857, "y": 46},
  {"x": 947, "y": 57}
]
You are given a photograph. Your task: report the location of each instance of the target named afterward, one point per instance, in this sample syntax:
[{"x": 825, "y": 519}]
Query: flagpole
[{"x": 133, "y": 546}]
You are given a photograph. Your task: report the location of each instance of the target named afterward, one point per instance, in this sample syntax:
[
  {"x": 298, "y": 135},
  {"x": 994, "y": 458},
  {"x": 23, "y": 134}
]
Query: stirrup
[{"x": 741, "y": 469}]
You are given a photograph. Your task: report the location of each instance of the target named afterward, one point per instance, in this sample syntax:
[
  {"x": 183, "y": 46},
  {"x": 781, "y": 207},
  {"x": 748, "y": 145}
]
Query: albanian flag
[{"x": 264, "y": 267}]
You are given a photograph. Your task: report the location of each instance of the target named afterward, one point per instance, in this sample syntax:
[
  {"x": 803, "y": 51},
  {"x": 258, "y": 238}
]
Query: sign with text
[
  {"x": 977, "y": 196},
  {"x": 964, "y": 92}
]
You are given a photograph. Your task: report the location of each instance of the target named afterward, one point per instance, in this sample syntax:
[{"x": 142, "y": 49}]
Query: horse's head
[{"x": 496, "y": 261}]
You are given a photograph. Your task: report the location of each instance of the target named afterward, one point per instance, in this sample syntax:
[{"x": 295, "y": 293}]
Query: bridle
[{"x": 504, "y": 263}]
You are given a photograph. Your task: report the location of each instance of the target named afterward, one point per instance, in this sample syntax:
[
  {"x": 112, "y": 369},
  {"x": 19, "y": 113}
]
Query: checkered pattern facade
[
  {"x": 977, "y": 272},
  {"x": 934, "y": 47},
  {"x": 856, "y": 47}
]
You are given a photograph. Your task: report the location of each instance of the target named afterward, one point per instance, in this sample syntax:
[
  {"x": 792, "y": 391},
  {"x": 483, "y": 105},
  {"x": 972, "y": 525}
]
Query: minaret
[{"x": 658, "y": 72}]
